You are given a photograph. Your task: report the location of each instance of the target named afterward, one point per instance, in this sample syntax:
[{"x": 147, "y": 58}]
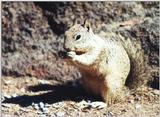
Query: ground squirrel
[{"x": 108, "y": 64}]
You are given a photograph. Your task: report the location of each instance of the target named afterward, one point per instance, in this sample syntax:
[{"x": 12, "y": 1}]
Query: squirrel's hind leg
[{"x": 113, "y": 91}]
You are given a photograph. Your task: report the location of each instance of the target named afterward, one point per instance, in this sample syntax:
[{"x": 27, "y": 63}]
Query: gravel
[
  {"x": 41, "y": 105},
  {"x": 14, "y": 95},
  {"x": 88, "y": 104},
  {"x": 138, "y": 106},
  {"x": 60, "y": 114},
  {"x": 36, "y": 106},
  {"x": 7, "y": 96},
  {"x": 45, "y": 110},
  {"x": 58, "y": 105},
  {"x": 99, "y": 105},
  {"x": 25, "y": 105}
]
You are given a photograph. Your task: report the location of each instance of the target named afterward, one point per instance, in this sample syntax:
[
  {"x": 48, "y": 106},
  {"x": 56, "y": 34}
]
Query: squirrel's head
[{"x": 78, "y": 38}]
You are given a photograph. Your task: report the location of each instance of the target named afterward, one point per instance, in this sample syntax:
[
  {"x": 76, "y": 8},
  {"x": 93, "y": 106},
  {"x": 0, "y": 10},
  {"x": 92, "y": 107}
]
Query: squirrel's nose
[
  {"x": 67, "y": 46},
  {"x": 67, "y": 49}
]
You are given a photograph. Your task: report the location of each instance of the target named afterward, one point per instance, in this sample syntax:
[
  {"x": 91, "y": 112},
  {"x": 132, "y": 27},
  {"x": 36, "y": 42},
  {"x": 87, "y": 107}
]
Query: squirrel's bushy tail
[{"x": 139, "y": 72}]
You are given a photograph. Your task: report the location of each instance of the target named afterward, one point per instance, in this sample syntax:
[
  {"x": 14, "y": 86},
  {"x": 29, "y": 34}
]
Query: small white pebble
[
  {"x": 88, "y": 101},
  {"x": 60, "y": 113},
  {"x": 99, "y": 105},
  {"x": 43, "y": 82},
  {"x": 57, "y": 105},
  {"x": 32, "y": 104},
  {"x": 45, "y": 110},
  {"x": 83, "y": 104},
  {"x": 7, "y": 82},
  {"x": 47, "y": 105},
  {"x": 42, "y": 115},
  {"x": 7, "y": 96},
  {"x": 39, "y": 112},
  {"x": 138, "y": 106},
  {"x": 41, "y": 104},
  {"x": 36, "y": 106},
  {"x": 25, "y": 110},
  {"x": 14, "y": 95},
  {"x": 157, "y": 92}
]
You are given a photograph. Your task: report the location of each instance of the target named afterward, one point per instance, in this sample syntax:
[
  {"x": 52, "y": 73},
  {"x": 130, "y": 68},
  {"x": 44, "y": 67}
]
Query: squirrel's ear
[{"x": 87, "y": 25}]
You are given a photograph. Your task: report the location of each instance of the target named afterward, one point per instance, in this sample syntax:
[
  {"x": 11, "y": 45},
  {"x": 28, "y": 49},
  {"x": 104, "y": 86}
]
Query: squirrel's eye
[{"x": 78, "y": 37}]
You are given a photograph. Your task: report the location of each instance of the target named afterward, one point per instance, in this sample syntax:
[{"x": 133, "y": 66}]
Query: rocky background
[
  {"x": 34, "y": 75},
  {"x": 33, "y": 32}
]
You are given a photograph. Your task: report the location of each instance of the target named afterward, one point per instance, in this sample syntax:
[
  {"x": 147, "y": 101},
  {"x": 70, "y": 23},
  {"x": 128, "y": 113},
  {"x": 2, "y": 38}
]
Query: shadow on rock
[
  {"x": 55, "y": 93},
  {"x": 50, "y": 10}
]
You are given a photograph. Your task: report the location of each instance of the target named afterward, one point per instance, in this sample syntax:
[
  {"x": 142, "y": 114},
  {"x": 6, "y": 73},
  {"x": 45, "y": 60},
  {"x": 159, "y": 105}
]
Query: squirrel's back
[{"x": 117, "y": 58}]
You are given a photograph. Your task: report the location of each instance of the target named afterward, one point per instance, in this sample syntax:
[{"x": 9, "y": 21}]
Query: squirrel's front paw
[{"x": 71, "y": 55}]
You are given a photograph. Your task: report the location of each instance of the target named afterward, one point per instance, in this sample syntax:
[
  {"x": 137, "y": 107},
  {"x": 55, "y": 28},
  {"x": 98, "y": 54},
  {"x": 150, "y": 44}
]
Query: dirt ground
[{"x": 26, "y": 96}]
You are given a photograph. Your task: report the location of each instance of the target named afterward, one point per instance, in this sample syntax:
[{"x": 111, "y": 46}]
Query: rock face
[
  {"x": 29, "y": 47},
  {"x": 33, "y": 33}
]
